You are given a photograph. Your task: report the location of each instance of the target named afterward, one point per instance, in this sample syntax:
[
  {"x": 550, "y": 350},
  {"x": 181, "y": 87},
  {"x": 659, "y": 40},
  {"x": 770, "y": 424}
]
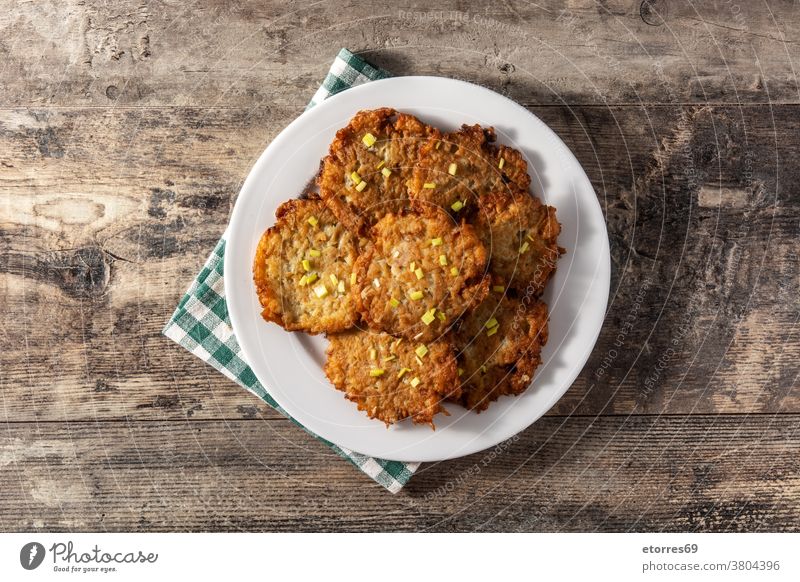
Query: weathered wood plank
[
  {"x": 725, "y": 473},
  {"x": 110, "y": 213},
  {"x": 216, "y": 53},
  {"x": 127, "y": 128}
]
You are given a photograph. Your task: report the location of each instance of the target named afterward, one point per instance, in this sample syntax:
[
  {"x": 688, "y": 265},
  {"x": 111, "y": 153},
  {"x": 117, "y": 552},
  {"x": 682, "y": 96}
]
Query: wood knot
[
  {"x": 49, "y": 143},
  {"x": 654, "y": 12},
  {"x": 82, "y": 273}
]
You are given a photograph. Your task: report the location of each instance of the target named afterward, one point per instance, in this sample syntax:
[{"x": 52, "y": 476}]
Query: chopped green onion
[
  {"x": 394, "y": 302},
  {"x": 412, "y": 266},
  {"x": 443, "y": 260},
  {"x": 415, "y": 295},
  {"x": 303, "y": 281},
  {"x": 524, "y": 247},
  {"x": 418, "y": 272},
  {"x": 314, "y": 253},
  {"x": 483, "y": 369},
  {"x": 429, "y": 185},
  {"x": 452, "y": 169},
  {"x": 457, "y": 205},
  {"x": 454, "y": 272},
  {"x": 352, "y": 278},
  {"x": 402, "y": 372},
  {"x": 429, "y": 316},
  {"x": 355, "y": 178},
  {"x": 421, "y": 350},
  {"x": 375, "y": 372},
  {"x": 498, "y": 288},
  {"x": 369, "y": 140},
  {"x": 311, "y": 278},
  {"x": 530, "y": 238},
  {"x": 376, "y": 283},
  {"x": 321, "y": 290},
  {"x": 389, "y": 358},
  {"x": 491, "y": 323},
  {"x": 442, "y": 317},
  {"x": 414, "y": 382},
  {"x": 502, "y": 163},
  {"x": 333, "y": 279},
  {"x": 340, "y": 286},
  {"x": 492, "y": 331},
  {"x": 379, "y": 166},
  {"x": 306, "y": 265},
  {"x": 373, "y": 354},
  {"x": 312, "y": 220},
  {"x": 386, "y": 172},
  {"x": 461, "y": 372},
  {"x": 361, "y": 185},
  {"x": 418, "y": 361},
  {"x": 436, "y": 242}
]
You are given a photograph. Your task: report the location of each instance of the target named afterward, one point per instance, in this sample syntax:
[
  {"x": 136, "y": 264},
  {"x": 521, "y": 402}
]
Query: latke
[{"x": 303, "y": 269}]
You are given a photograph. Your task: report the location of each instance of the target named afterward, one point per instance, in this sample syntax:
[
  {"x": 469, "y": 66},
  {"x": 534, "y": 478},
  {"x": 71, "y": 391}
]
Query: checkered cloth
[{"x": 201, "y": 323}]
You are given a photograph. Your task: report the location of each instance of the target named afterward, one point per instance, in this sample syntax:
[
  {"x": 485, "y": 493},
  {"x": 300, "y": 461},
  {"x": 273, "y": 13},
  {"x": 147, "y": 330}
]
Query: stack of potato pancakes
[{"x": 423, "y": 259}]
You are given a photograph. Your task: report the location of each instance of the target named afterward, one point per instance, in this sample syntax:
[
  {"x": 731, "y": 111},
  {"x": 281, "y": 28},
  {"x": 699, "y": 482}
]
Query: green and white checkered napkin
[{"x": 201, "y": 323}]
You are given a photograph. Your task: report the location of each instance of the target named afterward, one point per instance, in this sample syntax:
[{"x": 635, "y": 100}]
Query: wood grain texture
[
  {"x": 110, "y": 223},
  {"x": 216, "y": 53},
  {"x": 577, "y": 474},
  {"x": 126, "y": 130}
]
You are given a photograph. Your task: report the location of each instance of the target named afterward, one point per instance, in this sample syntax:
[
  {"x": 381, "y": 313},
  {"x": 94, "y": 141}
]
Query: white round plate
[{"x": 290, "y": 365}]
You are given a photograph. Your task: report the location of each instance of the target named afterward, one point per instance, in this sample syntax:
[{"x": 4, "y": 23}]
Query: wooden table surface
[{"x": 127, "y": 128}]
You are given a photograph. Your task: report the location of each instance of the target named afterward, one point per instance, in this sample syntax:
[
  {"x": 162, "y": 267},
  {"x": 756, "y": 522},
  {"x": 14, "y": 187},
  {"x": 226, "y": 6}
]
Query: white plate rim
[{"x": 236, "y": 247}]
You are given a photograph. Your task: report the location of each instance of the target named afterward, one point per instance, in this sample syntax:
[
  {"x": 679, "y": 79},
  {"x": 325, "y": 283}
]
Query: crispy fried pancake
[
  {"x": 501, "y": 362},
  {"x": 411, "y": 229},
  {"x": 521, "y": 236},
  {"x": 302, "y": 271},
  {"x": 421, "y": 272},
  {"x": 364, "y": 176},
  {"x": 457, "y": 169},
  {"x": 381, "y": 374}
]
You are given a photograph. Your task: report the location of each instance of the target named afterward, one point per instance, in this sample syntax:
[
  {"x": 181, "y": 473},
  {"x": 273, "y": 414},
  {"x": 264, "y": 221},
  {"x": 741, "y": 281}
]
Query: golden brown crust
[
  {"x": 402, "y": 220},
  {"x": 478, "y": 169},
  {"x": 398, "y": 137},
  {"x": 386, "y": 283},
  {"x": 521, "y": 236},
  {"x": 356, "y": 357},
  {"x": 278, "y": 269},
  {"x": 501, "y": 363}
]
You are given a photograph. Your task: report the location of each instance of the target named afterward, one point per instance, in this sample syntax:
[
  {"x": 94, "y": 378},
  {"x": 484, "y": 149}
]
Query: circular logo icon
[{"x": 31, "y": 555}]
